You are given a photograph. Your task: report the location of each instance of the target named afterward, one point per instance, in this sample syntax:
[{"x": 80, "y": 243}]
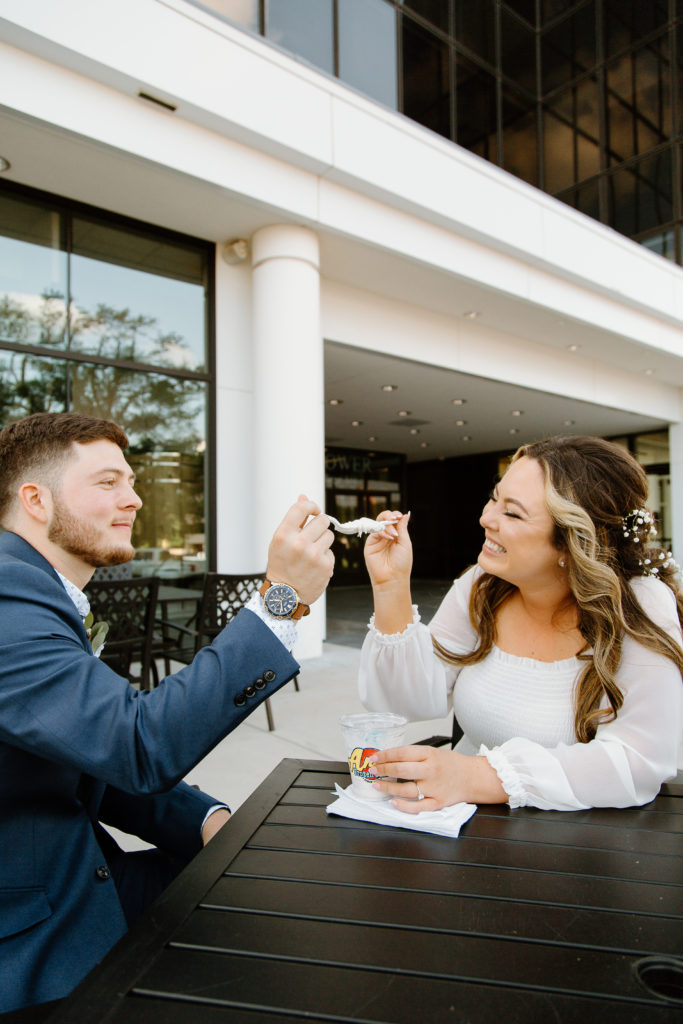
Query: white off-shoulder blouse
[{"x": 519, "y": 712}]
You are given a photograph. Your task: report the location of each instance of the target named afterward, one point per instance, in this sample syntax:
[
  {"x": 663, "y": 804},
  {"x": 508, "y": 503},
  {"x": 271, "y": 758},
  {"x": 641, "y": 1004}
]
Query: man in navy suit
[{"x": 79, "y": 746}]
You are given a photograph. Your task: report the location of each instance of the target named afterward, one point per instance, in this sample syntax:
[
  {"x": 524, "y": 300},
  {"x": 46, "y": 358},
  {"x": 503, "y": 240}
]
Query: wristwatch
[{"x": 282, "y": 601}]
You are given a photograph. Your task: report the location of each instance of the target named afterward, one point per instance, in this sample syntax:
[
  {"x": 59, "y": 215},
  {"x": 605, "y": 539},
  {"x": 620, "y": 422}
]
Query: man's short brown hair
[{"x": 40, "y": 445}]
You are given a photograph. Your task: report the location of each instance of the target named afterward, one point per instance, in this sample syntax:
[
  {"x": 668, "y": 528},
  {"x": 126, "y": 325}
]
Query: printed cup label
[{"x": 360, "y": 760}]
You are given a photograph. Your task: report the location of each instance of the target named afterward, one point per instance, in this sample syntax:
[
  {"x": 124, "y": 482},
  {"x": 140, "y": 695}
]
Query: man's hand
[
  {"x": 299, "y": 553},
  {"x": 214, "y": 823}
]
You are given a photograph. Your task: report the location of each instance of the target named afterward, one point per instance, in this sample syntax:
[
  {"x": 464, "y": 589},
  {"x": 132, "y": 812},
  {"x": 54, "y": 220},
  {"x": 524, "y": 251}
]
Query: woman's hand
[
  {"x": 389, "y": 558},
  {"x": 389, "y": 555},
  {"x": 438, "y": 778}
]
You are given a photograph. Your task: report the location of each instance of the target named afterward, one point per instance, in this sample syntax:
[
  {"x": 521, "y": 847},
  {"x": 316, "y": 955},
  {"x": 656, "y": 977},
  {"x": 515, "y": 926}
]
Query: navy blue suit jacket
[{"x": 79, "y": 746}]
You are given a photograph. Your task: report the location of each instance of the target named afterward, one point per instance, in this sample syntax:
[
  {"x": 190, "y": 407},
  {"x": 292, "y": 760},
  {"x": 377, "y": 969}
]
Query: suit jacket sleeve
[
  {"x": 63, "y": 704},
  {"x": 171, "y": 821}
]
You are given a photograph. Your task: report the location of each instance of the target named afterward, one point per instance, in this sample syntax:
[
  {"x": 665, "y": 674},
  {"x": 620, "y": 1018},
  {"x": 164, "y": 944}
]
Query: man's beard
[{"x": 79, "y": 538}]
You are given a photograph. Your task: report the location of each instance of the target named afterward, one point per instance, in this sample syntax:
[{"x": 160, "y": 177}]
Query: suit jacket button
[
  {"x": 240, "y": 700},
  {"x": 259, "y": 683},
  {"x": 103, "y": 872},
  {"x": 269, "y": 675},
  {"x": 250, "y": 690}
]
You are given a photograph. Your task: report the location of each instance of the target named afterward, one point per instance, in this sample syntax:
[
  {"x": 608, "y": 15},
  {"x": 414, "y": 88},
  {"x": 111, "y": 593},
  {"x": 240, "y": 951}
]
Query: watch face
[{"x": 281, "y": 600}]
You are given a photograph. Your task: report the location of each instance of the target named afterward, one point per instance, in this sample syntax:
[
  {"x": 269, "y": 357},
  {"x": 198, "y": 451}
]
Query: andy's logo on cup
[{"x": 360, "y": 760}]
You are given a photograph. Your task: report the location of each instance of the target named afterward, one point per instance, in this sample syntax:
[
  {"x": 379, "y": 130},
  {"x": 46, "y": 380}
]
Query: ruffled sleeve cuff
[
  {"x": 394, "y": 639},
  {"x": 508, "y": 775}
]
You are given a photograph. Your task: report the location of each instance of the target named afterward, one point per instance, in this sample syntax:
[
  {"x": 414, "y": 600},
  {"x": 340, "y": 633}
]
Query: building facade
[{"x": 246, "y": 255}]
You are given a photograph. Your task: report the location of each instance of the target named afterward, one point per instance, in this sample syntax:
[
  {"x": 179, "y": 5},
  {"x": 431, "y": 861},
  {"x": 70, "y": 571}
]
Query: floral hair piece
[
  {"x": 641, "y": 523},
  {"x": 664, "y": 560},
  {"x": 634, "y": 522}
]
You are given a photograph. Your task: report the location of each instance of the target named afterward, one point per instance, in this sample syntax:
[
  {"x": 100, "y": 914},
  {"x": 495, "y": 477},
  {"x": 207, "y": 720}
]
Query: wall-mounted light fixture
[{"x": 235, "y": 252}]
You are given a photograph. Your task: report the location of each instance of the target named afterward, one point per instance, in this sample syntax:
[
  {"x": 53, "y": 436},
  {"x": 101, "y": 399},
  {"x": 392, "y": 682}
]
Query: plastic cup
[{"x": 365, "y": 734}]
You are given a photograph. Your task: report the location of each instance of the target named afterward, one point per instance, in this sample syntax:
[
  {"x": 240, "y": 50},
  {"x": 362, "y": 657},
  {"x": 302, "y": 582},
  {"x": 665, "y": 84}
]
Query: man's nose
[{"x": 131, "y": 499}]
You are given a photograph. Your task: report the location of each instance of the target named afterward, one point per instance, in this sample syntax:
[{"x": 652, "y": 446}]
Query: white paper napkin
[{"x": 446, "y": 822}]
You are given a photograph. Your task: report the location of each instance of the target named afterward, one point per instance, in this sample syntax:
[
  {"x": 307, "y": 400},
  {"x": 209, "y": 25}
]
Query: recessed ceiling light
[
  {"x": 568, "y": 423},
  {"x": 471, "y": 314},
  {"x": 458, "y": 401},
  {"x": 414, "y": 430},
  {"x": 424, "y": 444},
  {"x": 4, "y": 164},
  {"x": 336, "y": 401},
  {"x": 573, "y": 348},
  {"x": 372, "y": 439},
  {"x": 517, "y": 412},
  {"x": 460, "y": 423},
  {"x": 356, "y": 423},
  {"x": 513, "y": 430},
  {"x": 648, "y": 373},
  {"x": 389, "y": 387},
  {"x": 404, "y": 412},
  {"x": 466, "y": 437}
]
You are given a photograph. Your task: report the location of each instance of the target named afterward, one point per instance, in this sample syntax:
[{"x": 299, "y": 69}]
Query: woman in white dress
[{"x": 560, "y": 651}]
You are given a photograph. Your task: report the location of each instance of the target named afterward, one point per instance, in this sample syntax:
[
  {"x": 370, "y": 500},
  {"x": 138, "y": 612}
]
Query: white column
[
  {"x": 676, "y": 472},
  {"x": 289, "y": 434}
]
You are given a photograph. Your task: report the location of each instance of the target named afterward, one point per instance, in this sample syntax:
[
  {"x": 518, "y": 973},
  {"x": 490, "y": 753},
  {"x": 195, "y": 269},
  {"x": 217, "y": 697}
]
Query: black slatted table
[{"x": 289, "y": 914}]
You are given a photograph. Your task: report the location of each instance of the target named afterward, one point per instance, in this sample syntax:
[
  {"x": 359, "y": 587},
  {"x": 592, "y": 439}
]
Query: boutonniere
[{"x": 97, "y": 633}]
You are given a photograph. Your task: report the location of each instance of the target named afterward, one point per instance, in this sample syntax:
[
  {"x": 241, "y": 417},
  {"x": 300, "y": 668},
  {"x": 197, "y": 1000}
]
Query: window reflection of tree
[{"x": 160, "y": 413}]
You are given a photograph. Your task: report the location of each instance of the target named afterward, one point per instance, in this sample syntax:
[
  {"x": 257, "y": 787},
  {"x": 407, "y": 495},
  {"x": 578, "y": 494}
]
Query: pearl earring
[{"x": 562, "y": 563}]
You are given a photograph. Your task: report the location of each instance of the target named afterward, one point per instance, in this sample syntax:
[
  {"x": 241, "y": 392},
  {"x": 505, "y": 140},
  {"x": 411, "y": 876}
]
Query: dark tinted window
[{"x": 426, "y": 78}]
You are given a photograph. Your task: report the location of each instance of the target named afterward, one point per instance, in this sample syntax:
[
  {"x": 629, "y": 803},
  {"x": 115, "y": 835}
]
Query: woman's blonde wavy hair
[{"x": 590, "y": 485}]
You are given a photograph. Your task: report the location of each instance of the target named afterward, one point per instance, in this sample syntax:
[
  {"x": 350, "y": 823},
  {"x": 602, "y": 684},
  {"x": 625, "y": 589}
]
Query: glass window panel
[
  {"x": 639, "y": 101},
  {"x": 663, "y": 243},
  {"x": 586, "y": 106},
  {"x": 621, "y": 142},
  {"x": 578, "y": 106},
  {"x": 29, "y": 384},
  {"x": 627, "y": 21},
  {"x": 33, "y": 274},
  {"x": 567, "y": 49},
  {"x": 520, "y": 138},
  {"x": 587, "y": 157},
  {"x": 640, "y": 197},
  {"x": 586, "y": 199},
  {"x": 137, "y": 298},
  {"x": 554, "y": 8},
  {"x": 367, "y": 48},
  {"x": 475, "y": 27},
  {"x": 476, "y": 110},
  {"x": 525, "y": 8},
  {"x": 435, "y": 11},
  {"x": 304, "y": 27},
  {"x": 164, "y": 419},
  {"x": 426, "y": 78},
  {"x": 242, "y": 12},
  {"x": 652, "y": 94},
  {"x": 518, "y": 51},
  {"x": 558, "y": 149}
]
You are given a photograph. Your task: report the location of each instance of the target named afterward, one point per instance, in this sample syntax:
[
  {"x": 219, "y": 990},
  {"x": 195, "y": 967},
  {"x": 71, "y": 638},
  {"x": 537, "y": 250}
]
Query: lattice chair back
[
  {"x": 129, "y": 606},
  {"x": 114, "y": 572},
  {"x": 223, "y": 597}
]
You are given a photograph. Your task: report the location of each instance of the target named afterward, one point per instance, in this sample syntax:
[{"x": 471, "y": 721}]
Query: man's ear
[{"x": 36, "y": 501}]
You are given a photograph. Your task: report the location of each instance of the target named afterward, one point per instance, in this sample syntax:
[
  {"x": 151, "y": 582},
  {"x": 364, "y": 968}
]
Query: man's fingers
[
  {"x": 296, "y": 516},
  {"x": 317, "y": 527}
]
